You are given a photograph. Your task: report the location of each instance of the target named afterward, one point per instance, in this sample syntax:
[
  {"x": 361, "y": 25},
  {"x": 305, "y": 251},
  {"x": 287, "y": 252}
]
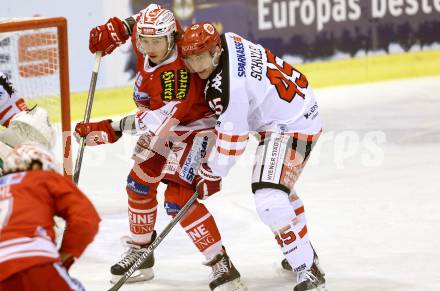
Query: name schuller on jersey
[{"x": 256, "y": 57}]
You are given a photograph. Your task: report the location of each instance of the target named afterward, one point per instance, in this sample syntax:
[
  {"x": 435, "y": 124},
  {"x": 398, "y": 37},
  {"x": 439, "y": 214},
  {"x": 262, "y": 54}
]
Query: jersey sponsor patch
[
  {"x": 137, "y": 187},
  {"x": 175, "y": 84},
  {"x": 312, "y": 112},
  {"x": 194, "y": 158},
  {"x": 241, "y": 57},
  {"x": 171, "y": 207},
  {"x": 182, "y": 84},
  {"x": 217, "y": 82},
  {"x": 274, "y": 159},
  {"x": 167, "y": 79},
  {"x": 139, "y": 96},
  {"x": 201, "y": 236}
]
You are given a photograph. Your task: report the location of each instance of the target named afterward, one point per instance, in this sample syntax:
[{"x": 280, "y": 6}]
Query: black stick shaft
[{"x": 87, "y": 114}]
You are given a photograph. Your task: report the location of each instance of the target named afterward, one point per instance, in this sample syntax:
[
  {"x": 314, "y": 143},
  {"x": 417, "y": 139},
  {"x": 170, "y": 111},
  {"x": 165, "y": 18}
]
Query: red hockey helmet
[{"x": 199, "y": 38}]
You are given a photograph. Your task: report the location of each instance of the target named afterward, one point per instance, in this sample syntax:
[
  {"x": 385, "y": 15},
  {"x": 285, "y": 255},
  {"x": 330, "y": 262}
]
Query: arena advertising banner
[
  {"x": 318, "y": 29},
  {"x": 305, "y": 31}
]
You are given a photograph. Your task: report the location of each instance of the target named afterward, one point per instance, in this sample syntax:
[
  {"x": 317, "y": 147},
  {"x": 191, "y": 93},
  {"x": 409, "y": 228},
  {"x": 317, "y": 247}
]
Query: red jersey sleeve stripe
[
  {"x": 299, "y": 210},
  {"x": 232, "y": 138},
  {"x": 229, "y": 152},
  {"x": 303, "y": 231}
]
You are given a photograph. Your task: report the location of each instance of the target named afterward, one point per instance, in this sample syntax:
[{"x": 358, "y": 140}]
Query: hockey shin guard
[
  {"x": 276, "y": 211},
  {"x": 142, "y": 208},
  {"x": 198, "y": 222}
]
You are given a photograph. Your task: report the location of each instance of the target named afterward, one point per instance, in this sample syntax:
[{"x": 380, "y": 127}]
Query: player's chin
[
  {"x": 155, "y": 59},
  {"x": 203, "y": 74}
]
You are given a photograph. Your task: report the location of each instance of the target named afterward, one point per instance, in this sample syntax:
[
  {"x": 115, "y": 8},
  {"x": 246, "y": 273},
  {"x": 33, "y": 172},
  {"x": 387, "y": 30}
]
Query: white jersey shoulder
[{"x": 253, "y": 85}]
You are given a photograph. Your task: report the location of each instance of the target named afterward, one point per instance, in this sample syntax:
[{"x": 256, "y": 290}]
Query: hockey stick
[
  {"x": 87, "y": 114},
  {"x": 155, "y": 243}
]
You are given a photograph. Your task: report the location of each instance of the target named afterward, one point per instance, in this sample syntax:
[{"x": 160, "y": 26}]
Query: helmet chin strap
[{"x": 216, "y": 55}]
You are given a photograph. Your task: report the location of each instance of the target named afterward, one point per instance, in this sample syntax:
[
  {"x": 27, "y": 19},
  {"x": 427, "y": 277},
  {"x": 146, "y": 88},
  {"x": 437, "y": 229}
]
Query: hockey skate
[
  {"x": 224, "y": 276},
  {"x": 286, "y": 266},
  {"x": 311, "y": 279},
  {"x": 144, "y": 273}
]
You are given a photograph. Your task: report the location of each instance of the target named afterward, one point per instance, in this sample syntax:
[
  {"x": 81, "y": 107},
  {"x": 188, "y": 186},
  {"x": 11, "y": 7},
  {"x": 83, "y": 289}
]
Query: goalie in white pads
[
  {"x": 252, "y": 90},
  {"x": 22, "y": 125}
]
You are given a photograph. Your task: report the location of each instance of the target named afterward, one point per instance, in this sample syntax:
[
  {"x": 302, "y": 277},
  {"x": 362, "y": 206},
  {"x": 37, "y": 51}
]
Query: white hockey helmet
[
  {"x": 34, "y": 126},
  {"x": 155, "y": 21},
  {"x": 23, "y": 156}
]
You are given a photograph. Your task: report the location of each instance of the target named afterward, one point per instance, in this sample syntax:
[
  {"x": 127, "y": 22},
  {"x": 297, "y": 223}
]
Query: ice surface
[{"x": 371, "y": 192}]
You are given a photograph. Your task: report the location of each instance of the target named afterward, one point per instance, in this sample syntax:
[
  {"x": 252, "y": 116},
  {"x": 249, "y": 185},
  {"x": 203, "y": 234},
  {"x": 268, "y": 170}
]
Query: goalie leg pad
[
  {"x": 11, "y": 137},
  {"x": 279, "y": 160},
  {"x": 198, "y": 223},
  {"x": 33, "y": 126}
]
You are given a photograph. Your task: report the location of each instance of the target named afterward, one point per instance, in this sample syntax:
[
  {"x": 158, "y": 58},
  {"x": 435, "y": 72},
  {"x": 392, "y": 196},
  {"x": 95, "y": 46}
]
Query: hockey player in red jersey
[
  {"x": 252, "y": 90},
  {"x": 31, "y": 194},
  {"x": 176, "y": 125}
]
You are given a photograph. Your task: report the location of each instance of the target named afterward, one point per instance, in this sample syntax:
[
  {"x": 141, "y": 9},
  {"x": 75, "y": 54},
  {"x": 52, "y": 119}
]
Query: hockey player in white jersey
[
  {"x": 252, "y": 90},
  {"x": 21, "y": 124}
]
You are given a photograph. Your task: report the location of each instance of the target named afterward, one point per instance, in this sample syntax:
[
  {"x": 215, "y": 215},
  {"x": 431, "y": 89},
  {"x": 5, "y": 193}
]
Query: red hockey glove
[
  {"x": 107, "y": 37},
  {"x": 96, "y": 132},
  {"x": 206, "y": 183}
]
